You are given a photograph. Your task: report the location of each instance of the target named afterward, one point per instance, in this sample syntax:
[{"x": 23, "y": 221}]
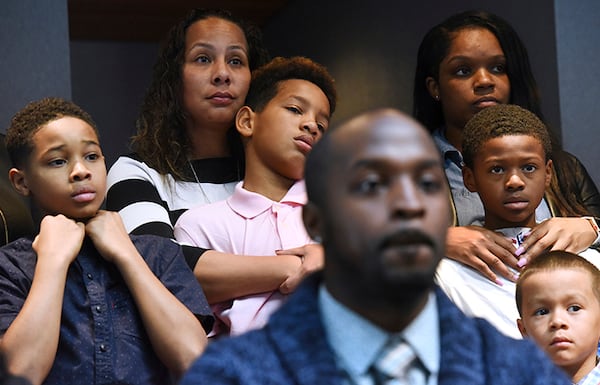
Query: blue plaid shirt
[{"x": 592, "y": 378}]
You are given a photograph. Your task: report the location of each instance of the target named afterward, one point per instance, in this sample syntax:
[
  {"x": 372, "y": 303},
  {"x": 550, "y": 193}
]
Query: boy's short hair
[
  {"x": 26, "y": 122},
  {"x": 501, "y": 120},
  {"x": 557, "y": 260},
  {"x": 266, "y": 79}
]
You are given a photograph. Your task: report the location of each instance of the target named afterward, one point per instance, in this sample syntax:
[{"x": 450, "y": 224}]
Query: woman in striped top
[{"x": 187, "y": 151}]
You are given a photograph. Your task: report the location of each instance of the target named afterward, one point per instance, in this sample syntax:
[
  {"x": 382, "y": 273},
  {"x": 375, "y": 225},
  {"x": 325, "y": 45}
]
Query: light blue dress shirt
[{"x": 356, "y": 342}]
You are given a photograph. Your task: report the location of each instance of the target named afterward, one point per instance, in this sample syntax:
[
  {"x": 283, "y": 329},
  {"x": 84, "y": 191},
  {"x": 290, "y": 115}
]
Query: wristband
[{"x": 594, "y": 225}]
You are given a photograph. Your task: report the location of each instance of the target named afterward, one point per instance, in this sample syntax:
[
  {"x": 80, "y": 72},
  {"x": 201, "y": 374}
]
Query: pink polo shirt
[{"x": 246, "y": 223}]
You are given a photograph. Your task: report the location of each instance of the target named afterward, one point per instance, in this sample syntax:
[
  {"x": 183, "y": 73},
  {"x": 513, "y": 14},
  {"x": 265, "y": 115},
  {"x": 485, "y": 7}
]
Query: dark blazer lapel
[
  {"x": 462, "y": 357},
  {"x": 298, "y": 335}
]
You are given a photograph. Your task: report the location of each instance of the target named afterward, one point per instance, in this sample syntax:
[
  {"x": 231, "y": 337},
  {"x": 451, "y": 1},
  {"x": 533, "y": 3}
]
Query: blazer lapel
[
  {"x": 298, "y": 335},
  {"x": 462, "y": 356}
]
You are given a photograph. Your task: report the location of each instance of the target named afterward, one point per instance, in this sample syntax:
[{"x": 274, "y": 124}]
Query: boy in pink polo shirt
[{"x": 287, "y": 110}]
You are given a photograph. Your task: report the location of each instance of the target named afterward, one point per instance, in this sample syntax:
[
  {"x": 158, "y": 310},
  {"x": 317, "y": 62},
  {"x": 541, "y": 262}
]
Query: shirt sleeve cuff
[{"x": 594, "y": 223}]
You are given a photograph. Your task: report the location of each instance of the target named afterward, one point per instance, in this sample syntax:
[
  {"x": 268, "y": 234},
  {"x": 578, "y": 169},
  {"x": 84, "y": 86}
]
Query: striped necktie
[{"x": 393, "y": 364}]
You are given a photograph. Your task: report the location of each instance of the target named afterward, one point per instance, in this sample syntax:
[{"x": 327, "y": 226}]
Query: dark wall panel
[{"x": 34, "y": 37}]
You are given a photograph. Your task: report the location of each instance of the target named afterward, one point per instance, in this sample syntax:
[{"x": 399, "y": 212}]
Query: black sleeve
[
  {"x": 192, "y": 254},
  {"x": 587, "y": 188}
]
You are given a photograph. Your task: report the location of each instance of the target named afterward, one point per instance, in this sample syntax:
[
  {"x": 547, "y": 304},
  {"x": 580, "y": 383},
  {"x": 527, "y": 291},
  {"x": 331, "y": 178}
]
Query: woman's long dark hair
[
  {"x": 161, "y": 139},
  {"x": 563, "y": 191}
]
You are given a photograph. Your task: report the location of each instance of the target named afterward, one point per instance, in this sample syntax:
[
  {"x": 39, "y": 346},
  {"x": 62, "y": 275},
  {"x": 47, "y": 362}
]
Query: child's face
[
  {"x": 285, "y": 130},
  {"x": 510, "y": 174},
  {"x": 66, "y": 173},
  {"x": 562, "y": 315}
]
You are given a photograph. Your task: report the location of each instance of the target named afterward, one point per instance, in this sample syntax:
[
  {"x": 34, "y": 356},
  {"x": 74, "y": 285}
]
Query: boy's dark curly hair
[
  {"x": 26, "y": 122},
  {"x": 266, "y": 79},
  {"x": 501, "y": 120}
]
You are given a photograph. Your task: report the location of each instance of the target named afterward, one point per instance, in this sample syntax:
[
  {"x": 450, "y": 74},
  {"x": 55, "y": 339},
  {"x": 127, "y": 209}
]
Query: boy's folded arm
[
  {"x": 31, "y": 341},
  {"x": 176, "y": 334},
  {"x": 224, "y": 276}
]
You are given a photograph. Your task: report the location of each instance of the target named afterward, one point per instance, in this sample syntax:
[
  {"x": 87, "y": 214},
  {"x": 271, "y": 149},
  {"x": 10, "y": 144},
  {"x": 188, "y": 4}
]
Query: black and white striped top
[{"x": 151, "y": 203}]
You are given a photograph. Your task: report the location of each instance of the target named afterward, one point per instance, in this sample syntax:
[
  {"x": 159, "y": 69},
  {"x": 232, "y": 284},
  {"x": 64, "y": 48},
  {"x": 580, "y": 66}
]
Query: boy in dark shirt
[{"x": 83, "y": 303}]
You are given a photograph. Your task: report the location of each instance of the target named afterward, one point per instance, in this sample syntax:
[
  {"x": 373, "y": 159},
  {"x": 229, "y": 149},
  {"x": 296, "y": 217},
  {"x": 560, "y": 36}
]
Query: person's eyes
[
  {"x": 367, "y": 185},
  {"x": 430, "y": 184},
  {"x": 202, "y": 59},
  {"x": 57, "y": 162},
  {"x": 499, "y": 68},
  {"x": 92, "y": 156},
  {"x": 294, "y": 109},
  {"x": 237, "y": 61},
  {"x": 497, "y": 170},
  {"x": 574, "y": 308},
  {"x": 322, "y": 127},
  {"x": 462, "y": 71},
  {"x": 541, "y": 311},
  {"x": 529, "y": 168}
]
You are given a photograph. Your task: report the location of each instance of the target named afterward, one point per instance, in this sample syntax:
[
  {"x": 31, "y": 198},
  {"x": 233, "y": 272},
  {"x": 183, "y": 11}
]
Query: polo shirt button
[
  {"x": 103, "y": 348},
  {"x": 98, "y": 309}
]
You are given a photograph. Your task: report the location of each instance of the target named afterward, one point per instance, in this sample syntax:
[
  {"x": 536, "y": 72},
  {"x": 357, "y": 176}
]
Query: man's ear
[
  {"x": 18, "y": 180},
  {"x": 549, "y": 171},
  {"x": 311, "y": 215},
  {"x": 432, "y": 86},
  {"x": 521, "y": 327},
  {"x": 244, "y": 121},
  {"x": 469, "y": 179}
]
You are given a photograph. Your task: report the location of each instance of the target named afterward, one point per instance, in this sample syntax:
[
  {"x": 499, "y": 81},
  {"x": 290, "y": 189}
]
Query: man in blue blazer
[{"x": 378, "y": 202}]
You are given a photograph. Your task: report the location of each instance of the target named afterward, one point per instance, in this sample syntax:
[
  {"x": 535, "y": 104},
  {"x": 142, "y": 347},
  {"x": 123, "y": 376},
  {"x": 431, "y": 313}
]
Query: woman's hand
[
  {"x": 558, "y": 233},
  {"x": 484, "y": 250}
]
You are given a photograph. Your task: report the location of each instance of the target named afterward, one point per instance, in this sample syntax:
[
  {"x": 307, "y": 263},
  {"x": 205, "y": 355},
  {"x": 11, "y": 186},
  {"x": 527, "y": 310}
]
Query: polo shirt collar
[{"x": 249, "y": 204}]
